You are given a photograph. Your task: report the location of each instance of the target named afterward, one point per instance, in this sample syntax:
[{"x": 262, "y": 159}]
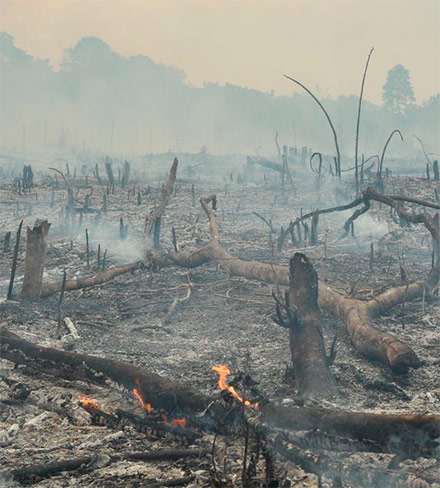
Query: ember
[
  {"x": 223, "y": 372},
  {"x": 92, "y": 403}
]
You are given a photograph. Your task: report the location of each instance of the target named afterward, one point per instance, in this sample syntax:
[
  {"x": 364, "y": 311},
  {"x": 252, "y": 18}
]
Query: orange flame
[
  {"x": 179, "y": 422},
  {"x": 223, "y": 372},
  {"x": 90, "y": 403},
  {"x": 138, "y": 395}
]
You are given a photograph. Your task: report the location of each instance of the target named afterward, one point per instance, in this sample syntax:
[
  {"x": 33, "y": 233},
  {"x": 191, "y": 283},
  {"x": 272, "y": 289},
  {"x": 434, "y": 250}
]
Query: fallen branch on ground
[
  {"x": 172, "y": 396},
  {"x": 98, "y": 279},
  {"x": 357, "y": 315}
]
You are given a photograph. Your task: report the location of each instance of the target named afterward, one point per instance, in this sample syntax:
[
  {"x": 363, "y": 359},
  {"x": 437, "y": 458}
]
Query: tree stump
[
  {"x": 34, "y": 261},
  {"x": 310, "y": 364}
]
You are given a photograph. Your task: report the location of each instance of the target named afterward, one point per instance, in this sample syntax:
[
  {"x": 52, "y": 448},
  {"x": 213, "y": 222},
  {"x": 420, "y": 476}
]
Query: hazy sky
[{"x": 248, "y": 42}]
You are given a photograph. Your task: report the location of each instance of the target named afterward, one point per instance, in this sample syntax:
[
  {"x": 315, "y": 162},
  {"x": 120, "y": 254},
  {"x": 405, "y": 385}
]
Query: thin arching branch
[
  {"x": 338, "y": 154},
  {"x": 359, "y": 121},
  {"x": 423, "y": 148},
  {"x": 379, "y": 169}
]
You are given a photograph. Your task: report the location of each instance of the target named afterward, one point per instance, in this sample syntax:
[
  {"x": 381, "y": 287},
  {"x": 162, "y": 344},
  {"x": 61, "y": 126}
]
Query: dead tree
[
  {"x": 301, "y": 315},
  {"x": 14, "y": 261},
  {"x": 108, "y": 168},
  {"x": 28, "y": 177},
  {"x": 126, "y": 174},
  {"x": 34, "y": 261},
  {"x": 436, "y": 171},
  {"x": 158, "y": 212},
  {"x": 359, "y": 121}
]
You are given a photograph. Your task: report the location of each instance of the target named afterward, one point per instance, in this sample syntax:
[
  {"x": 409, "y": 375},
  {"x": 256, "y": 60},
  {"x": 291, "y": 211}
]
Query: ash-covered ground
[{"x": 226, "y": 320}]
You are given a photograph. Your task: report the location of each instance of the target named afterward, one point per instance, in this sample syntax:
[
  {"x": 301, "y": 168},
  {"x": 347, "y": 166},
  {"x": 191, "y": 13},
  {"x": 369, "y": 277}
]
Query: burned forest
[
  {"x": 219, "y": 325},
  {"x": 263, "y": 313}
]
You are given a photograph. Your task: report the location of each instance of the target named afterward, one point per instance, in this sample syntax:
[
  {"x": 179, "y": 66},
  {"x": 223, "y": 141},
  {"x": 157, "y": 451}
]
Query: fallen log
[
  {"x": 383, "y": 428},
  {"x": 98, "y": 279},
  {"x": 266, "y": 163},
  {"x": 155, "y": 390},
  {"x": 172, "y": 396},
  {"x": 303, "y": 319},
  {"x": 357, "y": 316},
  {"x": 45, "y": 470}
]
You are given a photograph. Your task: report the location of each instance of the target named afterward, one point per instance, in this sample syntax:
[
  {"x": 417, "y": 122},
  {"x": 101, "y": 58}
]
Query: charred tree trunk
[
  {"x": 34, "y": 261},
  {"x": 378, "y": 427},
  {"x": 158, "y": 212},
  {"x": 158, "y": 391},
  {"x": 108, "y": 168},
  {"x": 14, "y": 261},
  {"x": 312, "y": 375},
  {"x": 126, "y": 174}
]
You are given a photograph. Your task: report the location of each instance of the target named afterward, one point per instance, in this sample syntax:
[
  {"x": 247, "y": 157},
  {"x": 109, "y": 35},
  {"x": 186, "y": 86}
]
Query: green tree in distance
[{"x": 397, "y": 93}]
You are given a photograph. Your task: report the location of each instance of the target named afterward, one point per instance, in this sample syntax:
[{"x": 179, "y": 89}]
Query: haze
[{"x": 248, "y": 43}]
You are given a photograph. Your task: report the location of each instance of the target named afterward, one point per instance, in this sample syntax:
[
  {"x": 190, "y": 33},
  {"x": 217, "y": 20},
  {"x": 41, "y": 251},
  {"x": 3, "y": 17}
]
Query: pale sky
[{"x": 248, "y": 42}]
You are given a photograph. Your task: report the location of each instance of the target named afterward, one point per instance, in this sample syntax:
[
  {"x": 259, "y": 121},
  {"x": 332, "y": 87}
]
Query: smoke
[
  {"x": 101, "y": 101},
  {"x": 120, "y": 251}
]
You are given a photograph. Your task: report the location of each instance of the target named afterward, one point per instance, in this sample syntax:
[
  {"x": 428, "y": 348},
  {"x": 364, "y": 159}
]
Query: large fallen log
[
  {"x": 157, "y": 391},
  {"x": 382, "y": 428},
  {"x": 357, "y": 316},
  {"x": 172, "y": 396},
  {"x": 98, "y": 279},
  {"x": 266, "y": 163},
  {"x": 303, "y": 319}
]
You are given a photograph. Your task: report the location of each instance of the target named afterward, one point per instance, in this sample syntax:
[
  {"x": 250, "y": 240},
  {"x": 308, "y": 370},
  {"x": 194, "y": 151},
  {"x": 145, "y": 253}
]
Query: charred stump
[
  {"x": 312, "y": 375},
  {"x": 34, "y": 261}
]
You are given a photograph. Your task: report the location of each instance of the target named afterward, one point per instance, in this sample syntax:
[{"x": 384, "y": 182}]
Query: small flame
[
  {"x": 138, "y": 395},
  {"x": 223, "y": 372},
  {"x": 90, "y": 403},
  {"x": 179, "y": 422}
]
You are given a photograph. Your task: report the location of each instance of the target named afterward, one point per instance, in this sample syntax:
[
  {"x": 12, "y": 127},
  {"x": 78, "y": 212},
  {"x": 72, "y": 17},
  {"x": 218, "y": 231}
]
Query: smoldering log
[
  {"x": 173, "y": 396},
  {"x": 357, "y": 316},
  {"x": 303, "y": 319},
  {"x": 34, "y": 261},
  {"x": 382, "y": 428},
  {"x": 159, "y": 392}
]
